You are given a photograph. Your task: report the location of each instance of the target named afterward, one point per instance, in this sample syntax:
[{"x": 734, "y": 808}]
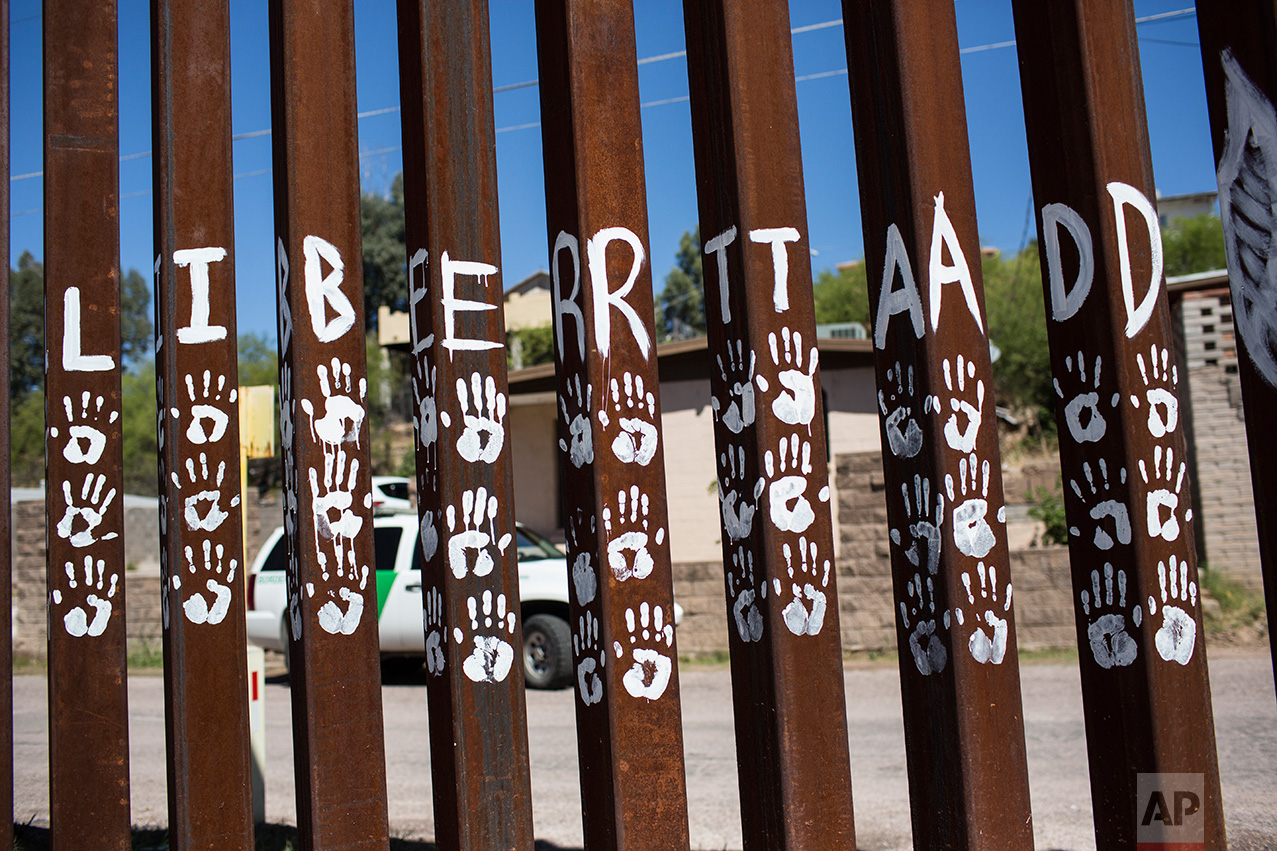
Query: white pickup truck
[{"x": 543, "y": 589}]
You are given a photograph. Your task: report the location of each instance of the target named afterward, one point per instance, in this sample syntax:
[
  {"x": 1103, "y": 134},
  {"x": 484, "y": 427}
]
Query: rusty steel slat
[
  {"x": 470, "y": 577},
  {"x": 1239, "y": 46},
  {"x": 1122, "y": 452},
  {"x": 960, "y": 680},
  {"x": 778, "y": 551},
  {"x": 201, "y": 533},
  {"x": 6, "y": 562},
  {"x": 335, "y": 672},
  {"x": 629, "y": 729},
  {"x": 88, "y": 698}
]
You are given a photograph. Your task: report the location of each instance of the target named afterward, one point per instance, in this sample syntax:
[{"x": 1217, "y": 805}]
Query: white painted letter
[
  {"x": 72, "y": 360},
  {"x": 285, "y": 312},
  {"x": 564, "y": 307},
  {"x": 780, "y": 260},
  {"x": 942, "y": 234},
  {"x": 415, "y": 296},
  {"x": 1137, "y": 317},
  {"x": 718, "y": 246},
  {"x": 452, "y": 305},
  {"x": 1065, "y": 303},
  {"x": 604, "y": 298},
  {"x": 322, "y": 292},
  {"x": 199, "y": 331},
  {"x": 891, "y": 302}
]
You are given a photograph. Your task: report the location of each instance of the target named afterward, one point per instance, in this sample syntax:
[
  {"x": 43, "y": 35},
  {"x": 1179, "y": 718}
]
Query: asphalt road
[{"x": 1245, "y": 720}]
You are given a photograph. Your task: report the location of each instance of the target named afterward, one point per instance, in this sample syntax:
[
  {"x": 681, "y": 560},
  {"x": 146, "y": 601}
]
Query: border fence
[{"x": 1122, "y": 444}]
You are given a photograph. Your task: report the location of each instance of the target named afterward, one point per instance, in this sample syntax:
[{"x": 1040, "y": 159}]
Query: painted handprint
[
  {"x": 984, "y": 647},
  {"x": 1160, "y": 381},
  {"x": 1082, "y": 410},
  {"x": 972, "y": 533},
  {"x": 580, "y": 444},
  {"x": 208, "y": 421},
  {"x": 737, "y": 412},
  {"x": 1161, "y": 496},
  {"x": 202, "y": 509},
  {"x": 483, "y": 434},
  {"x": 787, "y": 471},
  {"x": 436, "y": 632},
  {"x": 95, "y": 582},
  {"x": 926, "y": 644},
  {"x": 924, "y": 525},
  {"x": 591, "y": 657},
  {"x": 467, "y": 536},
  {"x": 635, "y": 407},
  {"x": 904, "y": 435},
  {"x": 585, "y": 580},
  {"x": 1112, "y": 520},
  {"x": 738, "y": 514},
  {"x": 744, "y": 593},
  {"x": 343, "y": 416},
  {"x": 92, "y": 508},
  {"x": 85, "y": 440},
  {"x": 649, "y": 674},
  {"x": 626, "y": 527},
  {"x": 333, "y": 499},
  {"x": 796, "y": 403},
  {"x": 335, "y": 620},
  {"x": 959, "y": 436},
  {"x": 426, "y": 417},
  {"x": 1177, "y": 636},
  {"x": 493, "y": 655},
  {"x": 805, "y": 613},
  {"x": 1112, "y": 646},
  {"x": 214, "y": 568}
]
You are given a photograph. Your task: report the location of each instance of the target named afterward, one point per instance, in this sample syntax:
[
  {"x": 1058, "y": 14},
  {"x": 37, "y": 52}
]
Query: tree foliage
[
  {"x": 26, "y": 327},
  {"x": 680, "y": 306},
  {"x": 385, "y": 254},
  {"x": 258, "y": 361},
  {"x": 842, "y": 295},
  {"x": 1193, "y": 245},
  {"x": 529, "y": 346},
  {"x": 1017, "y": 326}
]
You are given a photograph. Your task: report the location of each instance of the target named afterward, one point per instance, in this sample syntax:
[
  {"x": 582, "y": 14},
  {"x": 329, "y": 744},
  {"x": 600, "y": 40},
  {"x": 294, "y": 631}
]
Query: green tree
[
  {"x": 1017, "y": 326},
  {"x": 26, "y": 327},
  {"x": 680, "y": 306},
  {"x": 529, "y": 346},
  {"x": 137, "y": 426},
  {"x": 26, "y": 439},
  {"x": 137, "y": 335},
  {"x": 842, "y": 295},
  {"x": 258, "y": 360},
  {"x": 385, "y": 254},
  {"x": 1193, "y": 245}
]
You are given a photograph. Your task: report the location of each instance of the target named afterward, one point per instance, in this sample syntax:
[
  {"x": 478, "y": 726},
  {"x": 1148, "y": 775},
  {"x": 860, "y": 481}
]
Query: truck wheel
[{"x": 547, "y": 652}]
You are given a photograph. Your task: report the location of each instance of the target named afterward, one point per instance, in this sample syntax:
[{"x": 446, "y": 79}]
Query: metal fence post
[
  {"x": 782, "y": 599},
  {"x": 6, "y": 480},
  {"x": 1122, "y": 452},
  {"x": 335, "y": 669},
  {"x": 88, "y": 698},
  {"x": 1239, "y": 41},
  {"x": 201, "y": 530},
  {"x": 629, "y": 727},
  {"x": 470, "y": 577},
  {"x": 950, "y": 564}
]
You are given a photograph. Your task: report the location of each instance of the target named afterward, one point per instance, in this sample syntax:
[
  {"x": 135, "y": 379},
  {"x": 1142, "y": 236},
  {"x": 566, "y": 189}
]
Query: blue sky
[{"x": 1175, "y": 98}]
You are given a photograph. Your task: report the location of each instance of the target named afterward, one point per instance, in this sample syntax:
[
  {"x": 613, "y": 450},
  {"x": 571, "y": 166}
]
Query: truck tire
[{"x": 547, "y": 652}]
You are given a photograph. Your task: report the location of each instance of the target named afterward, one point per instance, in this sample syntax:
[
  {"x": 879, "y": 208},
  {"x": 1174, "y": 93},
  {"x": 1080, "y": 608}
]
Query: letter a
[
  {"x": 942, "y": 233},
  {"x": 323, "y": 292},
  {"x": 891, "y": 302}
]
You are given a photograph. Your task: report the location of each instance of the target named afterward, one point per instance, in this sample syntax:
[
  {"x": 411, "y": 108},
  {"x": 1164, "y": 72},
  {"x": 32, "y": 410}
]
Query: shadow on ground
[{"x": 269, "y": 837}]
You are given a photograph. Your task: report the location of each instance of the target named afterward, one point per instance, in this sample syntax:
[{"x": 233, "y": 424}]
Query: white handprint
[
  {"x": 493, "y": 656},
  {"x": 904, "y": 435},
  {"x": 627, "y": 547},
  {"x": 203, "y": 509},
  {"x": 738, "y": 382},
  {"x": 963, "y": 440},
  {"x": 1177, "y": 636},
  {"x": 972, "y": 533},
  {"x": 984, "y": 648},
  {"x": 436, "y": 632},
  {"x": 1163, "y": 404},
  {"x": 92, "y": 510},
  {"x": 585, "y": 646},
  {"x": 1111, "y": 645},
  {"x": 484, "y": 433},
  {"x": 585, "y": 580},
  {"x": 923, "y": 529},
  {"x": 637, "y": 442},
  {"x": 1163, "y": 497},
  {"x": 86, "y": 442},
  {"x": 1082, "y": 412},
  {"x": 925, "y": 644},
  {"x": 196, "y": 607},
  {"x": 744, "y": 590},
  {"x": 796, "y": 404},
  {"x": 343, "y": 416},
  {"x": 426, "y": 417},
  {"x": 790, "y": 490},
  {"x": 332, "y": 505},
  {"x": 649, "y": 675},
  {"x": 580, "y": 446},
  {"x": 800, "y": 619},
  {"x": 476, "y": 505},
  {"x": 76, "y": 620},
  {"x": 738, "y": 515},
  {"x": 1110, "y": 509},
  {"x": 203, "y": 410}
]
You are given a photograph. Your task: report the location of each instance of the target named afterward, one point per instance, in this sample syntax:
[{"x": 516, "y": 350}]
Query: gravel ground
[{"x": 1245, "y": 720}]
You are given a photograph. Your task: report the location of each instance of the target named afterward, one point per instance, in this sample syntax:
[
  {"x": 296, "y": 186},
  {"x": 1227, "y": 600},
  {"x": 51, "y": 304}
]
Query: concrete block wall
[{"x": 1225, "y": 512}]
